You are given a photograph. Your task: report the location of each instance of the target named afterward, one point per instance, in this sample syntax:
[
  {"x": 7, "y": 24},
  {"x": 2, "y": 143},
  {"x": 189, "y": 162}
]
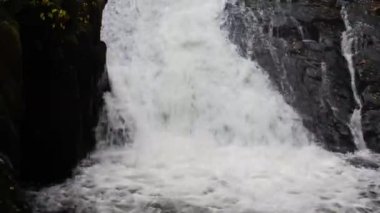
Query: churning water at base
[{"x": 209, "y": 133}]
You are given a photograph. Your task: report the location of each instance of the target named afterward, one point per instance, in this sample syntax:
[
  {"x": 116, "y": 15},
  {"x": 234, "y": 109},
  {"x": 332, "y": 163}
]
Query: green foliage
[{"x": 60, "y": 15}]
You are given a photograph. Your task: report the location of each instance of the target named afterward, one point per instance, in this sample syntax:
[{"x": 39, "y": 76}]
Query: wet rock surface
[
  {"x": 299, "y": 44},
  {"x": 366, "y": 29},
  {"x": 364, "y": 162}
]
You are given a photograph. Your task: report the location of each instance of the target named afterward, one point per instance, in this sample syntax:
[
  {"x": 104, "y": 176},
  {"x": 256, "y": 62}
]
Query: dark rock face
[
  {"x": 63, "y": 95},
  {"x": 299, "y": 45},
  {"x": 12, "y": 198},
  {"x": 11, "y": 103},
  {"x": 52, "y": 79}
]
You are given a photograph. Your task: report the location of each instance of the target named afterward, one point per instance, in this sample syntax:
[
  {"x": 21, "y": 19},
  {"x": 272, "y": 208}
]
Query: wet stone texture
[
  {"x": 298, "y": 44},
  {"x": 367, "y": 64}
]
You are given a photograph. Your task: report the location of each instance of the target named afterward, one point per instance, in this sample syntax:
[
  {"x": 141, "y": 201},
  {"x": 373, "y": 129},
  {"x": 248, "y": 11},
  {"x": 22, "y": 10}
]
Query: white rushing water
[
  {"x": 348, "y": 40},
  {"x": 209, "y": 132}
]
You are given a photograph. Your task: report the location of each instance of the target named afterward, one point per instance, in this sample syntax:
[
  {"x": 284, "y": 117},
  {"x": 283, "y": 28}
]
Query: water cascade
[
  {"x": 348, "y": 40},
  {"x": 209, "y": 132}
]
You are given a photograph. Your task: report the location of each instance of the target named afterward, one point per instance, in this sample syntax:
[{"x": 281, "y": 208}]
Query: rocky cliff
[
  {"x": 299, "y": 44},
  {"x": 52, "y": 77}
]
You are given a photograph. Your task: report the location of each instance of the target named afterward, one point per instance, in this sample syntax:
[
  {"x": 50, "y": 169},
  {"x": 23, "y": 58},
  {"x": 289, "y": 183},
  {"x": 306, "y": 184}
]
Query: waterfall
[
  {"x": 210, "y": 134},
  {"x": 348, "y": 40}
]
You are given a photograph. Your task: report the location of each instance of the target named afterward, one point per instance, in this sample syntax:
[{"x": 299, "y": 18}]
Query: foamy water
[{"x": 210, "y": 134}]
